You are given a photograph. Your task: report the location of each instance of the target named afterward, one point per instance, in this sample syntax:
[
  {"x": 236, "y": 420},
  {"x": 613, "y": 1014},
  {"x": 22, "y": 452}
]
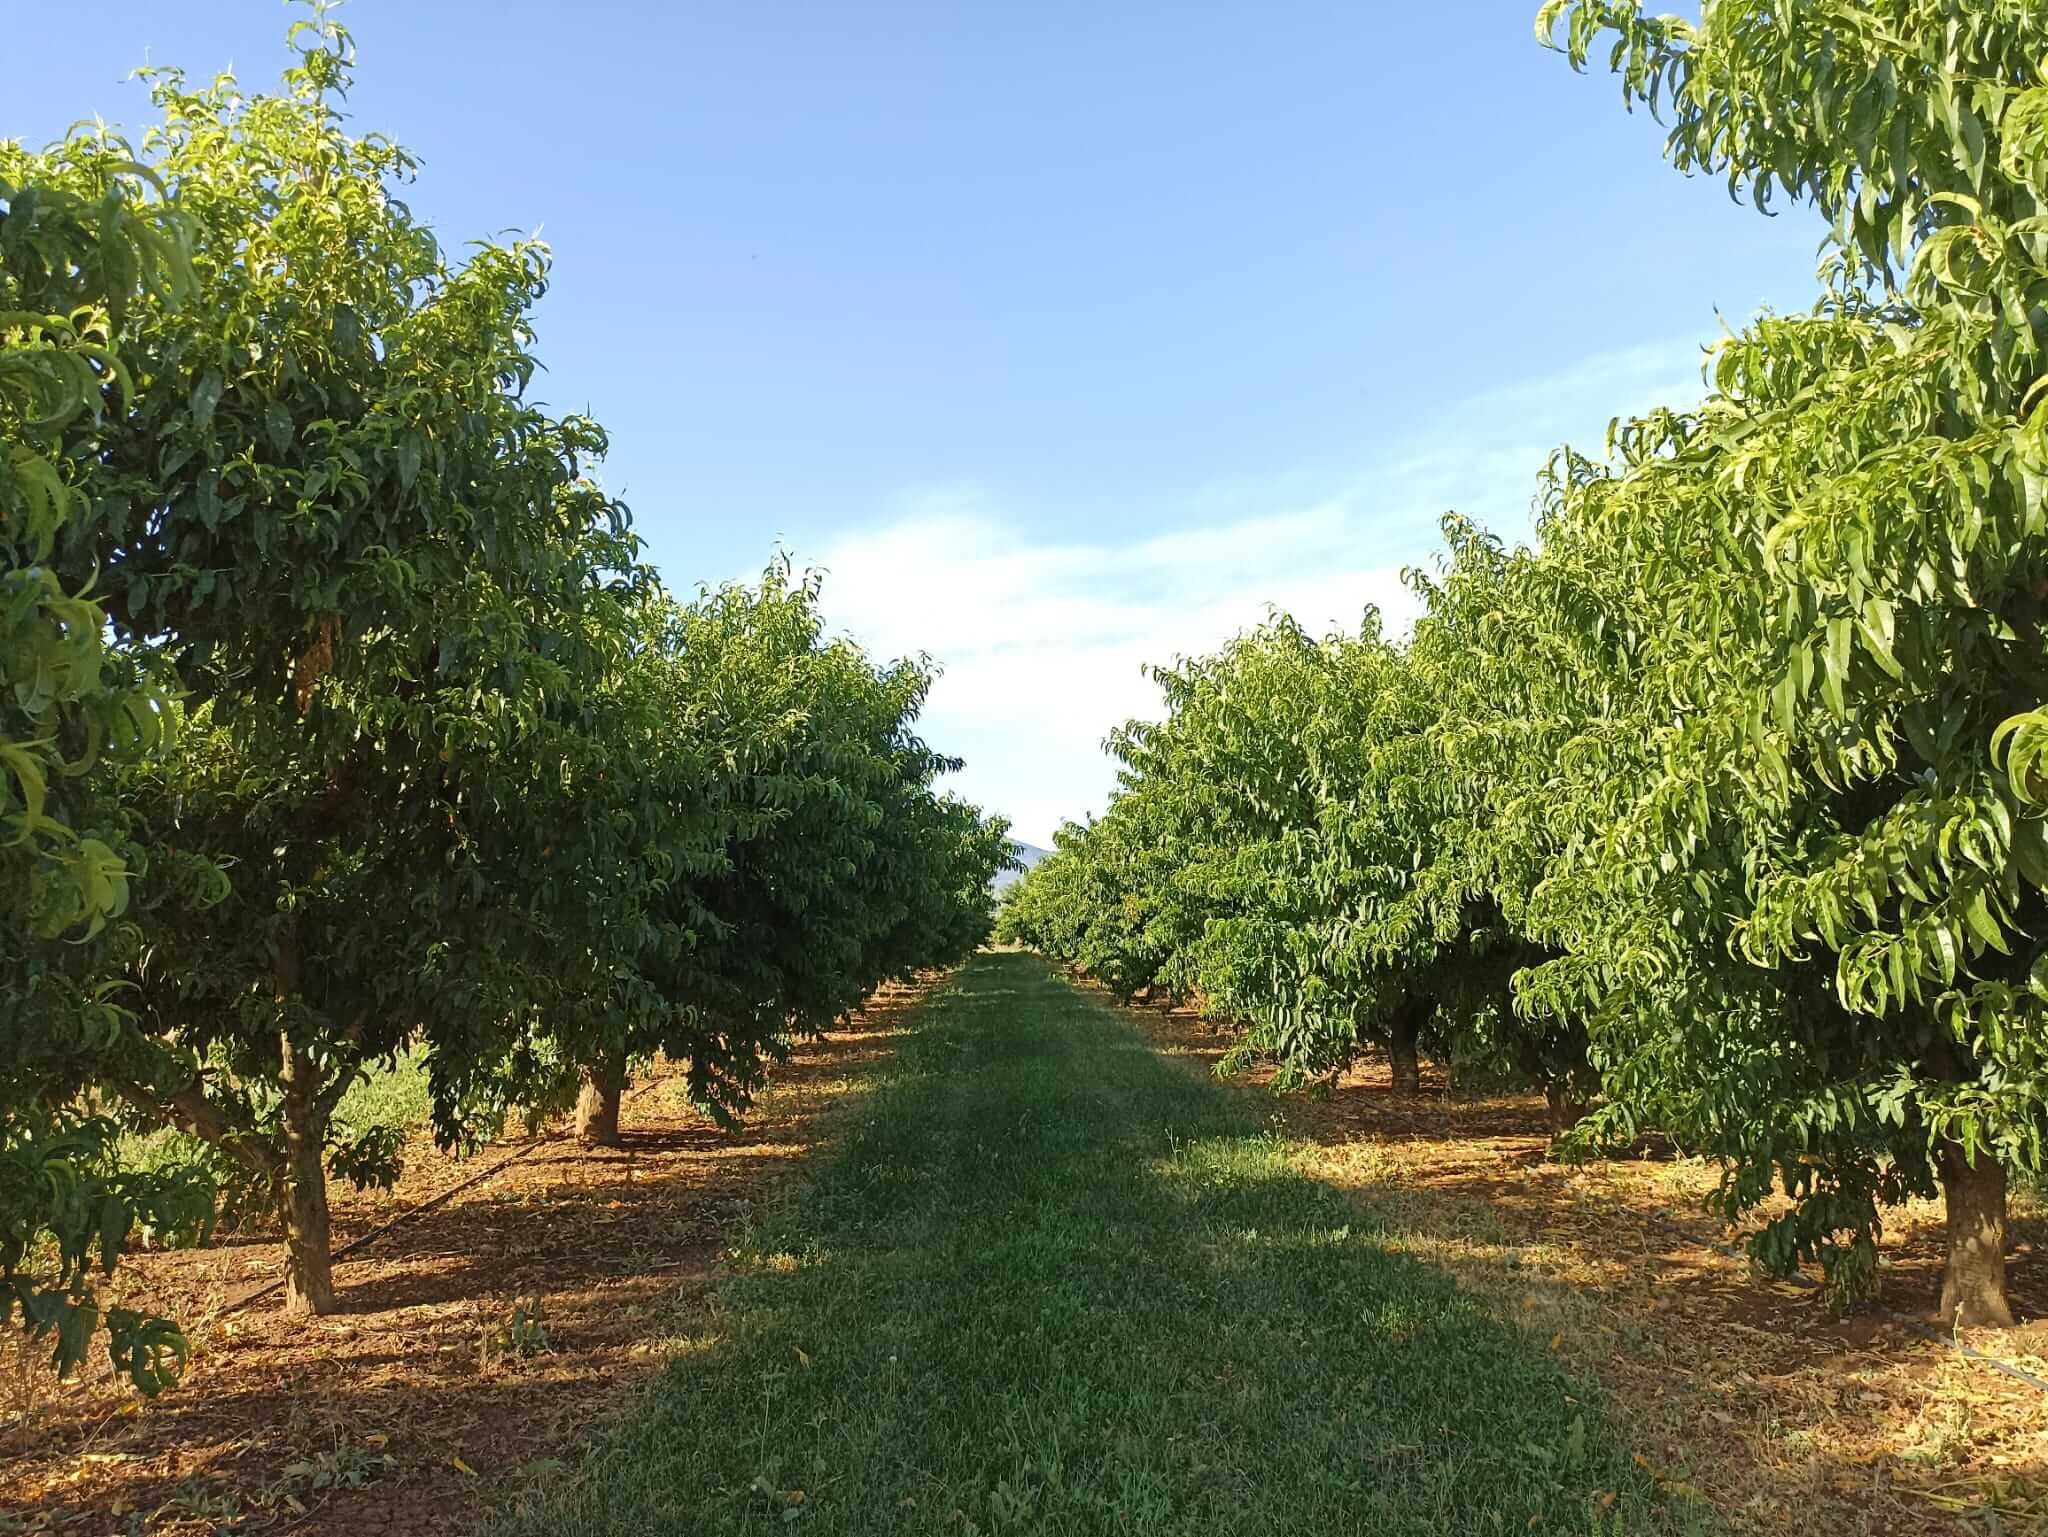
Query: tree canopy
[
  {"x": 344, "y": 715},
  {"x": 1727, "y": 795}
]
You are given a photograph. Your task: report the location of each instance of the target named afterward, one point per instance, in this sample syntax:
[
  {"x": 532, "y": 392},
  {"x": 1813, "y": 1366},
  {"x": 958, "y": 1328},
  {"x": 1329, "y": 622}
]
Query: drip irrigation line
[
  {"x": 2017, "y": 1373},
  {"x": 271, "y": 1288}
]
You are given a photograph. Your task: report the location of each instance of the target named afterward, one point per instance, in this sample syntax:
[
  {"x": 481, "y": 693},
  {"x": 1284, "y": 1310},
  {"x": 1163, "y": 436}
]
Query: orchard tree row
[
  {"x": 339, "y": 716},
  {"x": 1721, "y": 808}
]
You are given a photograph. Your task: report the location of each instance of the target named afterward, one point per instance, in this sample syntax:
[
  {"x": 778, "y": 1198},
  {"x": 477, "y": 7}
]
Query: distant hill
[{"x": 1028, "y": 854}]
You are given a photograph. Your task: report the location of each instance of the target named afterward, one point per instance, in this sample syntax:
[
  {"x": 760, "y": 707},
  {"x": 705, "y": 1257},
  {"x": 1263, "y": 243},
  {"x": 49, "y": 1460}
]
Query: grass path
[{"x": 1053, "y": 1283}]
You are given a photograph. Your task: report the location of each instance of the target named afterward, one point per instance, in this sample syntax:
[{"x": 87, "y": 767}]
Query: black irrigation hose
[
  {"x": 2018, "y": 1374},
  {"x": 273, "y": 1287}
]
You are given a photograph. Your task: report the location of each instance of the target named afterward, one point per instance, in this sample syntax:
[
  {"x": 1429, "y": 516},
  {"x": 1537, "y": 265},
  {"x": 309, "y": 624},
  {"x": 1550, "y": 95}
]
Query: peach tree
[
  {"x": 86, "y": 237},
  {"x": 332, "y": 518},
  {"x": 765, "y": 799},
  {"x": 1848, "y": 539}
]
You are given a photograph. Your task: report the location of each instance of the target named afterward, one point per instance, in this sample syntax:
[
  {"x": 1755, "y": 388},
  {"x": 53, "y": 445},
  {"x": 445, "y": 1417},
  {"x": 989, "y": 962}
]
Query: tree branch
[{"x": 190, "y": 1110}]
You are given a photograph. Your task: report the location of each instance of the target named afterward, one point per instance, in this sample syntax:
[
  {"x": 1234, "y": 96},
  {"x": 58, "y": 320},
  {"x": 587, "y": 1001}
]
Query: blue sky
[{"x": 1065, "y": 336}]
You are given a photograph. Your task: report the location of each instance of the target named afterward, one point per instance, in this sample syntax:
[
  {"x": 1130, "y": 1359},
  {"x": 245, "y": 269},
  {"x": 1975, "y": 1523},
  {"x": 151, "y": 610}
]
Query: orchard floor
[
  {"x": 1788, "y": 1418},
  {"x": 1053, "y": 1282},
  {"x": 1009, "y": 1260},
  {"x": 418, "y": 1406}
]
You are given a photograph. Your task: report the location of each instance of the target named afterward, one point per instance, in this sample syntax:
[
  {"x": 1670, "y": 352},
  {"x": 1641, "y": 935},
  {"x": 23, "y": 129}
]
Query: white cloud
[{"x": 1043, "y": 642}]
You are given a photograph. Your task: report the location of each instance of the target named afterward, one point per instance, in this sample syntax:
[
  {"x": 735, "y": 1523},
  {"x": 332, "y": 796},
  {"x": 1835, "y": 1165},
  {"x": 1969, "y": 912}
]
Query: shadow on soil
[{"x": 420, "y": 1402}]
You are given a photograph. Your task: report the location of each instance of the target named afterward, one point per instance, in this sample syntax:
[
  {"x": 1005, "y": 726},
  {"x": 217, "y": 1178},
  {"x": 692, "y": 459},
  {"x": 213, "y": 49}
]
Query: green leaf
[
  {"x": 206, "y": 393},
  {"x": 278, "y": 421}
]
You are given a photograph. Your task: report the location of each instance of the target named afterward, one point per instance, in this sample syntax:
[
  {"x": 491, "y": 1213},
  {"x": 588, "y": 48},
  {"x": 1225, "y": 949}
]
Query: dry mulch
[
  {"x": 476, "y": 1345},
  {"x": 1744, "y": 1391}
]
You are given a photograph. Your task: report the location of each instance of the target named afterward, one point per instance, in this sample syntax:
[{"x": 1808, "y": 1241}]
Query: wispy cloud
[{"x": 1043, "y": 642}]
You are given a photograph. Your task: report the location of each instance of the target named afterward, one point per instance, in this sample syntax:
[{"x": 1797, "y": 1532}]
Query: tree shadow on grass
[
  {"x": 1055, "y": 1285},
  {"x": 1747, "y": 1387}
]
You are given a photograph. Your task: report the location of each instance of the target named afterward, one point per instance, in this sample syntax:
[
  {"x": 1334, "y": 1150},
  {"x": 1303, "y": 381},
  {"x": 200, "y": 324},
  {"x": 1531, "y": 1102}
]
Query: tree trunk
[
  {"x": 1401, "y": 1048},
  {"x": 309, "y": 1258},
  {"x": 597, "y": 1106},
  {"x": 1973, "y": 1289},
  {"x": 1567, "y": 1104}
]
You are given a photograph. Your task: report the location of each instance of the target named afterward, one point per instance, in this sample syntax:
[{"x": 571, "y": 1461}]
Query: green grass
[
  {"x": 1053, "y": 1283},
  {"x": 395, "y": 1093}
]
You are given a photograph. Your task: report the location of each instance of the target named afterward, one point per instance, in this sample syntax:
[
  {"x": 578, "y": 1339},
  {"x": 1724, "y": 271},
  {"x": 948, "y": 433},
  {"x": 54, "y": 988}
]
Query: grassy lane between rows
[{"x": 1053, "y": 1283}]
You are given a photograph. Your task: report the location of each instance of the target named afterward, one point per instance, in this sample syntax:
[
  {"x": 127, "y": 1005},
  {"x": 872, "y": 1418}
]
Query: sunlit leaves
[
  {"x": 749, "y": 843},
  {"x": 87, "y": 236},
  {"x": 1740, "y": 776},
  {"x": 354, "y": 721}
]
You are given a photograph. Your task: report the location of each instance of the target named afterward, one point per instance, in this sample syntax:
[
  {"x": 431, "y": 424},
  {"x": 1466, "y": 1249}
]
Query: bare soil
[
  {"x": 477, "y": 1344},
  {"x": 1746, "y": 1391}
]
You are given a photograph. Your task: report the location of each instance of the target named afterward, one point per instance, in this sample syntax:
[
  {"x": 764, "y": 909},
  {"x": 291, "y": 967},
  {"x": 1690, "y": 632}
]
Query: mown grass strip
[{"x": 1054, "y": 1284}]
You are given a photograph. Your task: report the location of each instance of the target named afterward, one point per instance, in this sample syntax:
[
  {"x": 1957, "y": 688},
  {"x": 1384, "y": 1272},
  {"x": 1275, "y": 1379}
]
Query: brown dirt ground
[
  {"x": 1734, "y": 1388},
  {"x": 413, "y": 1409}
]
